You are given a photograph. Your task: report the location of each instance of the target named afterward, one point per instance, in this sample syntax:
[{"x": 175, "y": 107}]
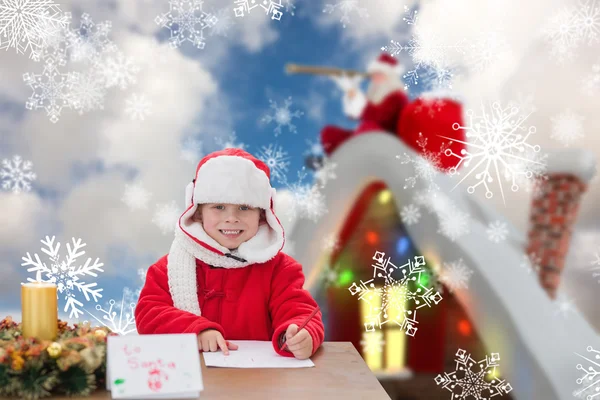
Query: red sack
[{"x": 433, "y": 118}]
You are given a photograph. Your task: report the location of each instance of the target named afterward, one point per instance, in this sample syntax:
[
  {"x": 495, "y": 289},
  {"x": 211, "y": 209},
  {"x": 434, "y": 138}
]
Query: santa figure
[
  {"x": 377, "y": 110},
  {"x": 424, "y": 124}
]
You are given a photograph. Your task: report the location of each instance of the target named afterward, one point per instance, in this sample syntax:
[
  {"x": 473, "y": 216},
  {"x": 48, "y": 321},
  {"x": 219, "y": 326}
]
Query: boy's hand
[
  {"x": 212, "y": 340},
  {"x": 299, "y": 343}
]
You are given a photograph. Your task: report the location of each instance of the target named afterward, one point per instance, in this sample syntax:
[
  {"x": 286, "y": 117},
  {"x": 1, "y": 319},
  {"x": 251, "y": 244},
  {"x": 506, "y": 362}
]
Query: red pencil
[{"x": 312, "y": 314}]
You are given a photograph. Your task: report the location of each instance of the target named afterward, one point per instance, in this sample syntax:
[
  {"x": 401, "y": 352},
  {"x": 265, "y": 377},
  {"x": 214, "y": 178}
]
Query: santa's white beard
[{"x": 376, "y": 92}]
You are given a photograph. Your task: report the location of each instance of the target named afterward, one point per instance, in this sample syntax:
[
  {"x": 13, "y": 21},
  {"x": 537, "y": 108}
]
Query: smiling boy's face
[{"x": 229, "y": 224}]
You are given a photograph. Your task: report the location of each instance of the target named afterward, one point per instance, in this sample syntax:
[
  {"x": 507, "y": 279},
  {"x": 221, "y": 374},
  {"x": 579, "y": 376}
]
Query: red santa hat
[
  {"x": 386, "y": 64},
  {"x": 230, "y": 176}
]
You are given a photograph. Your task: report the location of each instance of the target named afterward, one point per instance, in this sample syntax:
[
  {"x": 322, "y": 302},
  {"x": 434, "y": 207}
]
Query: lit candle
[{"x": 39, "y": 310}]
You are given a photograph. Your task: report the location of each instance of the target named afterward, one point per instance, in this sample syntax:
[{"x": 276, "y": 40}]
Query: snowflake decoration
[
  {"x": 51, "y": 90},
  {"x": 426, "y": 164},
  {"x": 590, "y": 381},
  {"x": 563, "y": 33},
  {"x": 571, "y": 26},
  {"x": 346, "y": 7},
  {"x": 90, "y": 40},
  {"x": 531, "y": 263},
  {"x": 372, "y": 342},
  {"x": 431, "y": 79},
  {"x": 330, "y": 276},
  {"x": 137, "y": 107},
  {"x": 564, "y": 306},
  {"x": 141, "y": 272},
  {"x": 89, "y": 93},
  {"x": 535, "y": 165},
  {"x": 55, "y": 46},
  {"x": 223, "y": 24},
  {"x": 282, "y": 116},
  {"x": 485, "y": 51},
  {"x": 410, "y": 214},
  {"x": 400, "y": 297},
  {"x": 524, "y": 103},
  {"x": 25, "y": 25},
  {"x": 590, "y": 84},
  {"x": 455, "y": 275},
  {"x": 476, "y": 379},
  {"x": 497, "y": 144},
  {"x": 589, "y": 21},
  {"x": 307, "y": 200},
  {"x": 330, "y": 243},
  {"x": 326, "y": 173},
  {"x": 289, "y": 7},
  {"x": 567, "y": 127},
  {"x": 315, "y": 148},
  {"x": 269, "y": 6},
  {"x": 192, "y": 150},
  {"x": 497, "y": 231},
  {"x": 118, "y": 70},
  {"x": 16, "y": 175},
  {"x": 411, "y": 16},
  {"x": 136, "y": 197},
  {"x": 596, "y": 263},
  {"x": 276, "y": 159},
  {"x": 186, "y": 21},
  {"x": 112, "y": 314},
  {"x": 434, "y": 204},
  {"x": 432, "y": 54},
  {"x": 166, "y": 216},
  {"x": 230, "y": 142},
  {"x": 430, "y": 58},
  {"x": 67, "y": 275},
  {"x": 425, "y": 49},
  {"x": 454, "y": 224}
]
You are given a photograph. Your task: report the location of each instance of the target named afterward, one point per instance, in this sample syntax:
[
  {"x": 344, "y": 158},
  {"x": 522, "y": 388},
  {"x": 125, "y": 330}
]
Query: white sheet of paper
[
  {"x": 154, "y": 366},
  {"x": 253, "y": 354}
]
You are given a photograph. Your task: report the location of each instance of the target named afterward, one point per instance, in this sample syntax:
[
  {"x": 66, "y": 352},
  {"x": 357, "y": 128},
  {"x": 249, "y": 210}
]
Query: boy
[{"x": 225, "y": 276}]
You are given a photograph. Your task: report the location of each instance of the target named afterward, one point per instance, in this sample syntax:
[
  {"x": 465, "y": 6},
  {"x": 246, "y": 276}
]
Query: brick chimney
[{"x": 554, "y": 212}]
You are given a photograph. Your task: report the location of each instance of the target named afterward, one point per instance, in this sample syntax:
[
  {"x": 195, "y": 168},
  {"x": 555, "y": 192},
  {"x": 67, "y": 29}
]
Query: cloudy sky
[{"x": 195, "y": 101}]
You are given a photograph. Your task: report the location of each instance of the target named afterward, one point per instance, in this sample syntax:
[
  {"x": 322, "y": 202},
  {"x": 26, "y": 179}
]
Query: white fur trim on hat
[
  {"x": 233, "y": 180},
  {"x": 378, "y": 66}
]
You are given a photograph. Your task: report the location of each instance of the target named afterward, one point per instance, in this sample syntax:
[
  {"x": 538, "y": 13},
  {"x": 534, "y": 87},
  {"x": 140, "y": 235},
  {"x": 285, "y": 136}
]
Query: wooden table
[{"x": 339, "y": 373}]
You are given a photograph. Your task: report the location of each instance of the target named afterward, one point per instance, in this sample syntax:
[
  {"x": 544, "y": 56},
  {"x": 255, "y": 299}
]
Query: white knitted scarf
[{"x": 181, "y": 270}]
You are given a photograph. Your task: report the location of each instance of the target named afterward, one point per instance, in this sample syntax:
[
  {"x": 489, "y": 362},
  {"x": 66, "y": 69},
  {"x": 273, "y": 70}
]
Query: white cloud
[
  {"x": 384, "y": 18},
  {"x": 20, "y": 218}
]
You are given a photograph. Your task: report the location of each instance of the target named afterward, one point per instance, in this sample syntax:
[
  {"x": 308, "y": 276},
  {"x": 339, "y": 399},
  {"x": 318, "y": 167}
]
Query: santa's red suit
[
  {"x": 251, "y": 293},
  {"x": 388, "y": 109}
]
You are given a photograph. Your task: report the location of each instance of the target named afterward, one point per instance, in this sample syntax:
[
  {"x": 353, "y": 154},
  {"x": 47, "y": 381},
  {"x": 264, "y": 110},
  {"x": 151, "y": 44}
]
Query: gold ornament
[
  {"x": 54, "y": 350},
  {"x": 100, "y": 334}
]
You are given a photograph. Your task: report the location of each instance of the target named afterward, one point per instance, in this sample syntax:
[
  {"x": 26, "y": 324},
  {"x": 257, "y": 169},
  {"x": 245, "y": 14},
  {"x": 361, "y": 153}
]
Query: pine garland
[{"x": 74, "y": 364}]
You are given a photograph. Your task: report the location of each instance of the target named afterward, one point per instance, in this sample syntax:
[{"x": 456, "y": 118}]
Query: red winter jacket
[
  {"x": 386, "y": 113},
  {"x": 257, "y": 302}
]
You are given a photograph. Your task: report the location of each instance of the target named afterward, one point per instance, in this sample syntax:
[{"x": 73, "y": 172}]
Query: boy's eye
[
  {"x": 219, "y": 207},
  {"x": 244, "y": 208}
]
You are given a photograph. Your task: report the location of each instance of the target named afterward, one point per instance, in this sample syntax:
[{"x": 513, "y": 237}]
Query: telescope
[{"x": 318, "y": 70}]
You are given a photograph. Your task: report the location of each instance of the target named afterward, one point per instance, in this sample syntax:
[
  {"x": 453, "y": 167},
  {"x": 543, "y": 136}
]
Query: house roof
[{"x": 507, "y": 305}]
